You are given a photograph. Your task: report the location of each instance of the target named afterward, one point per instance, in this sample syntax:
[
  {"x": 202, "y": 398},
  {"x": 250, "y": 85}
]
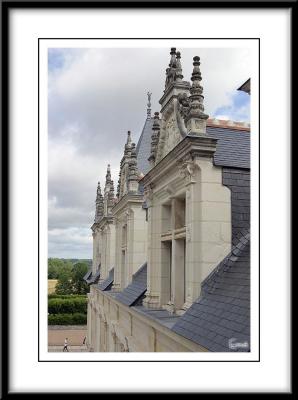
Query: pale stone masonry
[{"x": 175, "y": 223}]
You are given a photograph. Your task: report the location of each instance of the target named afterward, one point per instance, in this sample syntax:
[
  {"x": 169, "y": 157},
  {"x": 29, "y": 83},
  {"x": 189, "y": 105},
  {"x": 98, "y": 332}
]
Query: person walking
[{"x": 65, "y": 348}]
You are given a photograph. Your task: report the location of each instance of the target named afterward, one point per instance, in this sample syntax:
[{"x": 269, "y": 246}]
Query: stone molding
[{"x": 190, "y": 148}]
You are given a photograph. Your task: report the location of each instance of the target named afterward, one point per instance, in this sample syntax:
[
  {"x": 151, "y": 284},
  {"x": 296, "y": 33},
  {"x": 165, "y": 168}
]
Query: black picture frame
[{"x": 6, "y": 8}]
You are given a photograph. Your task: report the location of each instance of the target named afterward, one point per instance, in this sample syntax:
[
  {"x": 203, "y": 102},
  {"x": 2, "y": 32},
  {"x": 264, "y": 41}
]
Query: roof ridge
[{"x": 231, "y": 124}]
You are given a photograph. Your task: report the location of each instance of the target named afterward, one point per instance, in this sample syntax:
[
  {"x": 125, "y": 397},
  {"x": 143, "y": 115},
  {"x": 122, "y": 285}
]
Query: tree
[
  {"x": 57, "y": 267},
  {"x": 64, "y": 285},
  {"x": 78, "y": 271}
]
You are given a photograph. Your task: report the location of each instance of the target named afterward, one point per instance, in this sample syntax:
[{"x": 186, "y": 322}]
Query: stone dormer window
[{"x": 173, "y": 252}]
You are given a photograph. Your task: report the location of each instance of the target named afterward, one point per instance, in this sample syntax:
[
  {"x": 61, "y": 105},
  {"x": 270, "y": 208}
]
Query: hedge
[
  {"x": 68, "y": 305},
  {"x": 66, "y": 296},
  {"x": 67, "y": 319}
]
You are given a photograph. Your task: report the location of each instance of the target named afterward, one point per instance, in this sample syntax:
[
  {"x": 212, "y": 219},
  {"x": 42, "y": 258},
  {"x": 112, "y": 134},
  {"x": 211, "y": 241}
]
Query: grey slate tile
[
  {"x": 223, "y": 309},
  {"x": 136, "y": 289},
  {"x": 107, "y": 283}
]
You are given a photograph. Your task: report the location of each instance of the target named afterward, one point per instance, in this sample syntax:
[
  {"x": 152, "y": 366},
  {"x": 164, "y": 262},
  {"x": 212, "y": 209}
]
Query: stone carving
[
  {"x": 171, "y": 135},
  {"x": 194, "y": 117},
  {"x": 99, "y": 205},
  {"x": 183, "y": 104},
  {"x": 171, "y": 72},
  {"x": 187, "y": 169},
  {"x": 148, "y": 194},
  {"x": 154, "y": 139}
]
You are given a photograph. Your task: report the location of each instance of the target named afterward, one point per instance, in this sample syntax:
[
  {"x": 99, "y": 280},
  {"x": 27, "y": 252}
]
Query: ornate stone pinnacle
[
  {"x": 149, "y": 94},
  {"x": 179, "y": 67},
  {"x": 127, "y": 146},
  {"x": 99, "y": 206},
  {"x": 108, "y": 174},
  {"x": 119, "y": 184},
  {"x": 196, "y": 73},
  {"x": 173, "y": 57},
  {"x": 98, "y": 190},
  {"x": 111, "y": 192},
  {"x": 133, "y": 171},
  {"x": 195, "y": 119},
  {"x": 171, "y": 71},
  {"x": 128, "y": 138},
  {"x": 154, "y": 138}
]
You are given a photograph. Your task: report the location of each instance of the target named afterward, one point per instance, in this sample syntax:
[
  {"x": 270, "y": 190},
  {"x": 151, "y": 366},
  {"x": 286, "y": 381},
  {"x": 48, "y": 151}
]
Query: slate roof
[
  {"x": 233, "y": 147},
  {"x": 87, "y": 275},
  {"x": 143, "y": 148},
  {"x": 107, "y": 283},
  {"x": 222, "y": 312},
  {"x": 93, "y": 278},
  {"x": 232, "y": 150},
  {"x": 136, "y": 289}
]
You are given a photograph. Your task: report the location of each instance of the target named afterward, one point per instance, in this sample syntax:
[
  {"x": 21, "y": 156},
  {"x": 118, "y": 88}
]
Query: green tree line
[{"x": 69, "y": 275}]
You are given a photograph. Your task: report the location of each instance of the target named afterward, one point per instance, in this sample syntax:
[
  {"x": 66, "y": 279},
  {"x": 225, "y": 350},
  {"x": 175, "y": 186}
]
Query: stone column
[
  {"x": 94, "y": 252},
  {"x": 155, "y": 280},
  {"x": 107, "y": 252},
  {"x": 130, "y": 247},
  {"x": 97, "y": 341},
  {"x": 178, "y": 273},
  {"x": 112, "y": 247},
  {"x": 117, "y": 269}
]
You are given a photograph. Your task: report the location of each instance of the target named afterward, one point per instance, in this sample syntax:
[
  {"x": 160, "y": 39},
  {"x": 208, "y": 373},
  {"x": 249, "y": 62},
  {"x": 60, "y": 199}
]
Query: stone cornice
[
  {"x": 107, "y": 219},
  {"x": 192, "y": 146},
  {"x": 125, "y": 200}
]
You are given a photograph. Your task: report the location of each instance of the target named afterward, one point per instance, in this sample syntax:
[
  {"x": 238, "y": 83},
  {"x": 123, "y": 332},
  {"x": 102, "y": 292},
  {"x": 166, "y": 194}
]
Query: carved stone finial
[
  {"x": 154, "y": 138},
  {"x": 133, "y": 171},
  {"x": 173, "y": 57},
  {"x": 128, "y": 138},
  {"x": 127, "y": 146},
  {"x": 119, "y": 185},
  {"x": 108, "y": 192},
  {"x": 195, "y": 119},
  {"x": 111, "y": 192},
  {"x": 179, "y": 67},
  {"x": 99, "y": 204},
  {"x": 108, "y": 174},
  {"x": 149, "y": 94},
  {"x": 171, "y": 71}
]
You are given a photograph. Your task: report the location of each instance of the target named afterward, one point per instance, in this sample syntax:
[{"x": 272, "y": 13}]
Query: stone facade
[{"x": 175, "y": 217}]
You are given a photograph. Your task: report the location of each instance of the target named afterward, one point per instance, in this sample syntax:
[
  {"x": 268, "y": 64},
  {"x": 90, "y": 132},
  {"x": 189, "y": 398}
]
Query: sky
[{"x": 94, "y": 97}]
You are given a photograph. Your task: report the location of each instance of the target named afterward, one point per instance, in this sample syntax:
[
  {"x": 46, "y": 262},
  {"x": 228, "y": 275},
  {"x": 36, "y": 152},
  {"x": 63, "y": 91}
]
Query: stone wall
[{"x": 117, "y": 328}]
